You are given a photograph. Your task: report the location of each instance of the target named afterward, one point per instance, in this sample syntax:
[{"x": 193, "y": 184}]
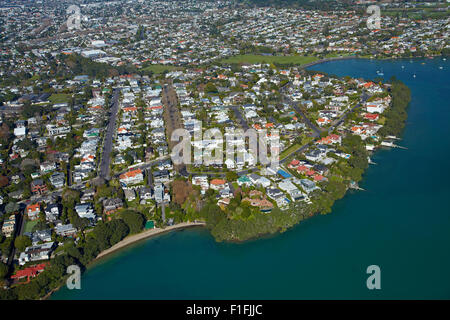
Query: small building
[
  {"x": 33, "y": 211},
  {"x": 36, "y": 253}
]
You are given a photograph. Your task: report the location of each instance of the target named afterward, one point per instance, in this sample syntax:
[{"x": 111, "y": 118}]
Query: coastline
[
  {"x": 131, "y": 239},
  {"x": 372, "y": 153},
  {"x": 144, "y": 235},
  {"x": 134, "y": 239},
  {"x": 319, "y": 61}
]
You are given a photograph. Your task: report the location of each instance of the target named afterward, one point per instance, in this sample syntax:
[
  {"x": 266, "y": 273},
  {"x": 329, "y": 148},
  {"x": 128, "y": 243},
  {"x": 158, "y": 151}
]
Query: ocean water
[{"x": 400, "y": 223}]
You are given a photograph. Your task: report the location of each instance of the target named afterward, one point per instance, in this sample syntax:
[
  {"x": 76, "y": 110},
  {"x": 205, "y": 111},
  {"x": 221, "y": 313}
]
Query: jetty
[
  {"x": 355, "y": 186},
  {"x": 391, "y": 145}
]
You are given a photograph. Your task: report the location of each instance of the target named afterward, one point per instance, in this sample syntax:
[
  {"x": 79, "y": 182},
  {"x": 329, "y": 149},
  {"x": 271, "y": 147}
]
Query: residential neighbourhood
[{"x": 89, "y": 116}]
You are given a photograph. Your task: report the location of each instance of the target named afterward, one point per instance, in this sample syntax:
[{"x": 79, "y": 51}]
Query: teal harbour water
[{"x": 400, "y": 223}]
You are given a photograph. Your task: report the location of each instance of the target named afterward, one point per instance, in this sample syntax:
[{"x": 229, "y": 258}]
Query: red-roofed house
[
  {"x": 217, "y": 184},
  {"x": 30, "y": 272},
  {"x": 371, "y": 116},
  {"x": 294, "y": 163},
  {"x": 131, "y": 177},
  {"x": 33, "y": 211},
  {"x": 318, "y": 177}
]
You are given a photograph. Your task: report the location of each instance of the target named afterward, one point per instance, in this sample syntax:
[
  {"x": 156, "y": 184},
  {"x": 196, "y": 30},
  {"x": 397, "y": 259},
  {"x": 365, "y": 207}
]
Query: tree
[
  {"x": 231, "y": 176},
  {"x": 22, "y": 242},
  {"x": 211, "y": 88},
  {"x": 6, "y": 246},
  {"x": 3, "y": 270},
  {"x": 11, "y": 207},
  {"x": 134, "y": 220},
  {"x": 181, "y": 190}
]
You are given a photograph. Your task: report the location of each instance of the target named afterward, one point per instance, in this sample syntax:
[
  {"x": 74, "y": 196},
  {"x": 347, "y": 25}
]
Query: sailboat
[{"x": 414, "y": 75}]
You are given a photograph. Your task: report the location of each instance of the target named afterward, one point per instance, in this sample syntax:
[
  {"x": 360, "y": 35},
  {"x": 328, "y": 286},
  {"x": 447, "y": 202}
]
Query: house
[
  {"x": 331, "y": 139},
  {"x": 375, "y": 108},
  {"x": 263, "y": 204},
  {"x": 371, "y": 116},
  {"x": 57, "y": 179},
  {"x": 38, "y": 187},
  {"x": 291, "y": 189},
  {"x": 160, "y": 194},
  {"x": 201, "y": 181},
  {"x": 161, "y": 176},
  {"x": 112, "y": 205},
  {"x": 41, "y": 236},
  {"x": 65, "y": 230},
  {"x": 85, "y": 210},
  {"x": 20, "y": 132},
  {"x": 131, "y": 177},
  {"x": 145, "y": 194},
  {"x": 314, "y": 155},
  {"x": 37, "y": 252},
  {"x": 9, "y": 226},
  {"x": 217, "y": 184},
  {"x": 29, "y": 272},
  {"x": 33, "y": 211},
  {"x": 244, "y": 180},
  {"x": 254, "y": 178},
  {"x": 47, "y": 167},
  {"x": 52, "y": 212},
  {"x": 275, "y": 193},
  {"x": 308, "y": 185}
]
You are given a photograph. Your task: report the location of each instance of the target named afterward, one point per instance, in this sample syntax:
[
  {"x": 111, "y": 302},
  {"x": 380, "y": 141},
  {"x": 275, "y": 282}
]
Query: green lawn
[
  {"x": 29, "y": 225},
  {"x": 158, "y": 68},
  {"x": 289, "y": 150},
  {"x": 253, "y": 58},
  {"x": 335, "y": 55},
  {"x": 59, "y": 98}
]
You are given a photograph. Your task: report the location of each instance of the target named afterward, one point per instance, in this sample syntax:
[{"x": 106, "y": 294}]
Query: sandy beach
[{"x": 146, "y": 234}]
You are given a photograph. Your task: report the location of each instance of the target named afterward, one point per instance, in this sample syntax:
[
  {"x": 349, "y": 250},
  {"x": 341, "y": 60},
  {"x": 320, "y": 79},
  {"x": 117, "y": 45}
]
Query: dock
[
  {"x": 354, "y": 185},
  {"x": 391, "y": 145}
]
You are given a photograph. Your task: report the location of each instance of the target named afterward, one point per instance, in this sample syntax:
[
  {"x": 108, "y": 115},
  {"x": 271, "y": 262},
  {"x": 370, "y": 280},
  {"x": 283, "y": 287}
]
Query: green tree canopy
[{"x": 22, "y": 242}]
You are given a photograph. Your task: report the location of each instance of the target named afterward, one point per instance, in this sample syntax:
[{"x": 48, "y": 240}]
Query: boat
[
  {"x": 403, "y": 67},
  {"x": 414, "y": 75},
  {"x": 441, "y": 68}
]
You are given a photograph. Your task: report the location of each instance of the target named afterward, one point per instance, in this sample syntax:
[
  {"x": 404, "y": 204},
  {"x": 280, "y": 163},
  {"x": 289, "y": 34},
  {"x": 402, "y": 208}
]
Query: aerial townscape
[{"x": 90, "y": 99}]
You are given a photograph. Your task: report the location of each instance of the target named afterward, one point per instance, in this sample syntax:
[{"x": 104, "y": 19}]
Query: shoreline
[
  {"x": 142, "y": 236},
  {"x": 158, "y": 231},
  {"x": 132, "y": 239},
  {"x": 323, "y": 60}
]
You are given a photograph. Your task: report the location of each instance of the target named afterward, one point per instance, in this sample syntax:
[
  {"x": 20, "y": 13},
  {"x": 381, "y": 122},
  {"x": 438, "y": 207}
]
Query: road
[
  {"x": 20, "y": 221},
  {"x": 293, "y": 104},
  {"x": 336, "y": 123},
  {"x": 143, "y": 166},
  {"x": 172, "y": 119},
  {"x": 240, "y": 117},
  {"x": 108, "y": 140}
]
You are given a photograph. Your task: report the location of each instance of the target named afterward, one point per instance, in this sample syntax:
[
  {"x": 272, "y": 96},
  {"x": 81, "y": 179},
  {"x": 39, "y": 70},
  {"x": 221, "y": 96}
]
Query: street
[{"x": 108, "y": 139}]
